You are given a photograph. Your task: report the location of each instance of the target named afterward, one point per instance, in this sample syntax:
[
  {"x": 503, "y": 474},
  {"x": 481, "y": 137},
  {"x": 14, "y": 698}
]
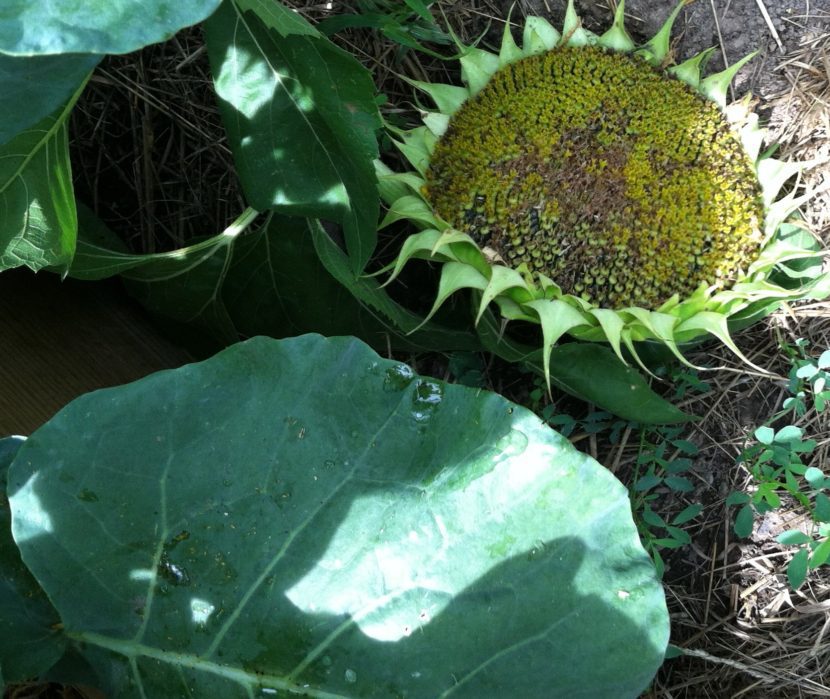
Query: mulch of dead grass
[
  {"x": 149, "y": 122},
  {"x": 745, "y": 632}
]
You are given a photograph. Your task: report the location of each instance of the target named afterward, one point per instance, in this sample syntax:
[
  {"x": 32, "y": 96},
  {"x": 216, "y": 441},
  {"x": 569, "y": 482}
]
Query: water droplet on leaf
[{"x": 398, "y": 378}]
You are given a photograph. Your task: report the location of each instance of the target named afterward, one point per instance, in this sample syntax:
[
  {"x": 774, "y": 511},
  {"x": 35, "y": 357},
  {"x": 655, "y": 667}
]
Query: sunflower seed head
[{"x": 618, "y": 182}]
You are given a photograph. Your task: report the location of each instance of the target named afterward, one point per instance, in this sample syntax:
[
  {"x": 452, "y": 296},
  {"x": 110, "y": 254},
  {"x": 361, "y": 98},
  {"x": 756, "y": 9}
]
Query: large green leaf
[
  {"x": 41, "y": 27},
  {"x": 305, "y": 516},
  {"x": 37, "y": 86},
  {"x": 29, "y": 640},
  {"x": 38, "y": 221},
  {"x": 301, "y": 121}
]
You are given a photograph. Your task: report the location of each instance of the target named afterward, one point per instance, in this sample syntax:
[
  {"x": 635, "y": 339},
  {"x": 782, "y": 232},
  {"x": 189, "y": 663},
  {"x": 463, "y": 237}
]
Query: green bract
[{"x": 580, "y": 186}]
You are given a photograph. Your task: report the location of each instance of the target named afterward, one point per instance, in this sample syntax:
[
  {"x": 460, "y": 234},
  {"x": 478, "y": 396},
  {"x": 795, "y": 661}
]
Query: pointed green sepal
[
  {"x": 437, "y": 123},
  {"x": 617, "y": 38},
  {"x": 417, "y": 245},
  {"x": 752, "y": 136},
  {"x": 573, "y": 33},
  {"x": 509, "y": 52},
  {"x": 511, "y": 310},
  {"x": 413, "y": 208},
  {"x": 612, "y": 326},
  {"x": 780, "y": 211},
  {"x": 539, "y": 36},
  {"x": 715, "y": 324},
  {"x": 415, "y": 148},
  {"x": 556, "y": 318},
  {"x": 477, "y": 67},
  {"x": 792, "y": 242},
  {"x": 450, "y": 241},
  {"x": 773, "y": 175},
  {"x": 690, "y": 305},
  {"x": 501, "y": 279},
  {"x": 716, "y": 86},
  {"x": 657, "y": 49},
  {"x": 659, "y": 326},
  {"x": 625, "y": 337},
  {"x": 690, "y": 70},
  {"x": 454, "y": 277},
  {"x": 393, "y": 186},
  {"x": 448, "y": 98}
]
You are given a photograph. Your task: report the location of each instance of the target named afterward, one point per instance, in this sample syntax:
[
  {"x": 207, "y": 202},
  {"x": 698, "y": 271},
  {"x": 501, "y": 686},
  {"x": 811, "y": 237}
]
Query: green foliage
[
  {"x": 304, "y": 516},
  {"x": 37, "y": 86},
  {"x": 575, "y": 368},
  {"x": 409, "y": 23},
  {"x": 663, "y": 459},
  {"x": 776, "y": 462},
  {"x": 807, "y": 374},
  {"x": 40, "y": 28},
  {"x": 38, "y": 219},
  {"x": 662, "y": 462},
  {"x": 301, "y": 121},
  {"x": 29, "y": 637}
]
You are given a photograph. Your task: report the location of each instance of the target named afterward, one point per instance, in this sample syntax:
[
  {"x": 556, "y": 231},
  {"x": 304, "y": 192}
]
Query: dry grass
[{"x": 150, "y": 151}]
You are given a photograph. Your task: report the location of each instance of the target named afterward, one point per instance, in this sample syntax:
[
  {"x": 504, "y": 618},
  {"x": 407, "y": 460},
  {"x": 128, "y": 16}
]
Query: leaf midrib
[
  {"x": 133, "y": 650},
  {"x": 59, "y": 123}
]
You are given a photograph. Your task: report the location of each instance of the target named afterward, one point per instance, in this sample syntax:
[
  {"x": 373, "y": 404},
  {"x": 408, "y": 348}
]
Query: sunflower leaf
[
  {"x": 37, "y": 86},
  {"x": 29, "y": 639},
  {"x": 117, "y": 26},
  {"x": 301, "y": 121},
  {"x": 38, "y": 216}
]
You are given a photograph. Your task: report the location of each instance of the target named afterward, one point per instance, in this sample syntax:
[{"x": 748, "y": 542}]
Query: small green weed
[
  {"x": 807, "y": 374},
  {"x": 662, "y": 460},
  {"x": 776, "y": 463}
]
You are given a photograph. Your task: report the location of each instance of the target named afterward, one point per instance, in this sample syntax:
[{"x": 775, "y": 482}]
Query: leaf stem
[{"x": 245, "y": 219}]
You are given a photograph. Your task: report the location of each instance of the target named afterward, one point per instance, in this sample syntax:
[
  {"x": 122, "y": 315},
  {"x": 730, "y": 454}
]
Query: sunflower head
[{"x": 578, "y": 183}]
